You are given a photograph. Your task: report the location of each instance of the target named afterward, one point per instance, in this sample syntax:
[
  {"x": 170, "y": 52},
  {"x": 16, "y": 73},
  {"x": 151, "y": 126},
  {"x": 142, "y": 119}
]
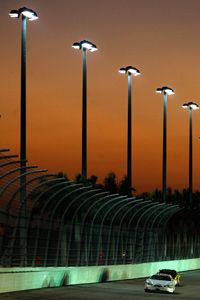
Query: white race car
[{"x": 161, "y": 283}]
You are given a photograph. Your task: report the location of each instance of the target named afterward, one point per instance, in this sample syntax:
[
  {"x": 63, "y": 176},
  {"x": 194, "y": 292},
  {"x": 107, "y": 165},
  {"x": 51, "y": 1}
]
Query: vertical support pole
[
  {"x": 129, "y": 137},
  {"x": 84, "y": 115},
  {"x": 22, "y": 210},
  {"x": 23, "y": 95},
  {"x": 164, "y": 149},
  {"x": 190, "y": 157}
]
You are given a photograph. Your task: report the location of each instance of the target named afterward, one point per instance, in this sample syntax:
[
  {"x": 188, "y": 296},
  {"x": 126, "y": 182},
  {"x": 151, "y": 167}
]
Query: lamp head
[
  {"x": 122, "y": 71},
  {"x": 159, "y": 90},
  {"x": 185, "y": 105},
  {"x": 85, "y": 45},
  {"x": 14, "y": 13},
  {"x": 30, "y": 14},
  {"x": 93, "y": 48},
  {"x": 88, "y": 45},
  {"x": 129, "y": 70},
  {"x": 133, "y": 71},
  {"x": 190, "y": 105},
  {"x": 76, "y": 46},
  {"x": 165, "y": 90}
]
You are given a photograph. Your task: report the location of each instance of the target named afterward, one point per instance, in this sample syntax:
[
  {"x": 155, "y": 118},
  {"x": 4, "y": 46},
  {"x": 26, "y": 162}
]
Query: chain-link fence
[{"x": 55, "y": 222}]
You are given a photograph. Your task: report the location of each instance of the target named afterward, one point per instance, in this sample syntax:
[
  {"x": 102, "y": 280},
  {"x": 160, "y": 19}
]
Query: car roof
[{"x": 173, "y": 273}]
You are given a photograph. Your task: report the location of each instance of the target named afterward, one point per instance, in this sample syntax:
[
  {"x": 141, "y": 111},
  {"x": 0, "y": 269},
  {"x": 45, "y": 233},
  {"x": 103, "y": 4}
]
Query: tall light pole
[
  {"x": 85, "y": 46},
  {"x": 165, "y": 91},
  {"x": 26, "y": 14},
  {"x": 190, "y": 106},
  {"x": 130, "y": 71}
]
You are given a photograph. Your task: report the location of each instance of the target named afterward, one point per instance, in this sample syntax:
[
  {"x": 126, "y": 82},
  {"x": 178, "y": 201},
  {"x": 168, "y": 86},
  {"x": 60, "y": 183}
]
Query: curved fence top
[
  {"x": 68, "y": 223},
  {"x": 57, "y": 198}
]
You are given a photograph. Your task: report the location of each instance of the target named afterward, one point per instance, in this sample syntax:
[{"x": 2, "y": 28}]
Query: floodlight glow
[
  {"x": 14, "y": 13},
  {"x": 86, "y": 45},
  {"x": 194, "y": 106},
  {"x": 28, "y": 13},
  {"x": 33, "y": 18},
  {"x": 159, "y": 90},
  {"x": 169, "y": 91},
  {"x": 93, "y": 49},
  {"x": 185, "y": 106},
  {"x": 122, "y": 71},
  {"x": 190, "y": 105},
  {"x": 76, "y": 46},
  {"x": 137, "y": 73},
  {"x": 133, "y": 71},
  {"x": 165, "y": 90}
]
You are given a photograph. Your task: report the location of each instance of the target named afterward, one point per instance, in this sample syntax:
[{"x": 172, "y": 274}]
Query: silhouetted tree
[
  {"x": 196, "y": 199},
  {"x": 185, "y": 198},
  {"x": 124, "y": 188},
  {"x": 177, "y": 197},
  {"x": 169, "y": 195},
  {"x": 93, "y": 180},
  {"x": 110, "y": 183},
  {"x": 145, "y": 196},
  {"x": 156, "y": 195},
  {"x": 62, "y": 175},
  {"x": 79, "y": 179}
]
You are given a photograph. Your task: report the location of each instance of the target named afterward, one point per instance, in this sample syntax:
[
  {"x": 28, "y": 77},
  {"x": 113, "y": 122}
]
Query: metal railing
[{"x": 68, "y": 224}]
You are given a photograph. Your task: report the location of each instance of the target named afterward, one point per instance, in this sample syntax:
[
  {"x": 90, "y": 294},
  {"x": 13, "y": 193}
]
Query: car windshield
[
  {"x": 161, "y": 277},
  {"x": 170, "y": 272}
]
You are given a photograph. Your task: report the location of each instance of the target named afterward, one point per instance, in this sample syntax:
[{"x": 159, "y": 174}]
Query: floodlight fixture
[
  {"x": 26, "y": 14},
  {"x": 84, "y": 44},
  {"x": 190, "y": 105},
  {"x": 165, "y": 90},
  {"x": 129, "y": 70},
  {"x": 76, "y": 46},
  {"x": 30, "y": 14},
  {"x": 14, "y": 13},
  {"x": 122, "y": 70}
]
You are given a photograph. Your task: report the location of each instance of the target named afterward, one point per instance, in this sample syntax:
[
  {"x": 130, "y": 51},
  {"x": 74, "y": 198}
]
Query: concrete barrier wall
[{"x": 18, "y": 279}]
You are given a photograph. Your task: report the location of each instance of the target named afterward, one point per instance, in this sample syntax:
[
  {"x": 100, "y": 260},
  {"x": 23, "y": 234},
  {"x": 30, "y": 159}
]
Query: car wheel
[{"x": 146, "y": 290}]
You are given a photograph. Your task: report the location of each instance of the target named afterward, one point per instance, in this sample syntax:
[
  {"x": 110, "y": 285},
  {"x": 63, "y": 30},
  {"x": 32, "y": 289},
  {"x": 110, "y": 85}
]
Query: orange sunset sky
[{"x": 159, "y": 37}]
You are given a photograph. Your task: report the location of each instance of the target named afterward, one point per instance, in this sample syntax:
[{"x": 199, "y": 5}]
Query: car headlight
[{"x": 170, "y": 285}]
